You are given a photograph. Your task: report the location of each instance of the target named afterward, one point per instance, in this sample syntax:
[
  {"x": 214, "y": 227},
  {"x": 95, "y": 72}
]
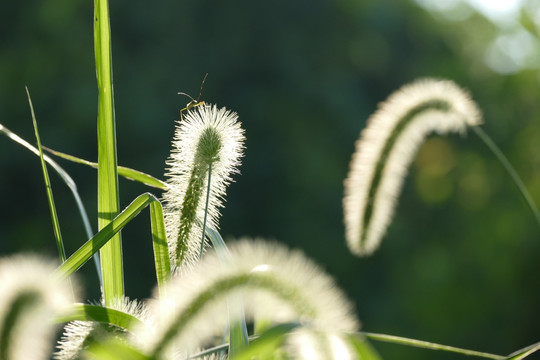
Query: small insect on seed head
[{"x": 193, "y": 103}]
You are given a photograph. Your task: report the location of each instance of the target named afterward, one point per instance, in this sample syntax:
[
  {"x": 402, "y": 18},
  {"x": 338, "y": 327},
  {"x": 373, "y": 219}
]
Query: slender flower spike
[
  {"x": 29, "y": 300},
  {"x": 269, "y": 279},
  {"x": 386, "y": 148},
  {"x": 207, "y": 148}
]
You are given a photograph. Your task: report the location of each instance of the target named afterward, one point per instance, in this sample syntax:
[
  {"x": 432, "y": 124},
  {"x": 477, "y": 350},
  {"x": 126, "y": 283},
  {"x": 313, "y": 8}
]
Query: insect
[{"x": 193, "y": 103}]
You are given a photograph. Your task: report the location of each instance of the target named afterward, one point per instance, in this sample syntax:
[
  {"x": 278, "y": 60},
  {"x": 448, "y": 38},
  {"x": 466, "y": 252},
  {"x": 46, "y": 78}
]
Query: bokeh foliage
[{"x": 458, "y": 265}]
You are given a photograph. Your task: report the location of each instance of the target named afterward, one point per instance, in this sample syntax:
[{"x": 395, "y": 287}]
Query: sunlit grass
[{"x": 203, "y": 303}]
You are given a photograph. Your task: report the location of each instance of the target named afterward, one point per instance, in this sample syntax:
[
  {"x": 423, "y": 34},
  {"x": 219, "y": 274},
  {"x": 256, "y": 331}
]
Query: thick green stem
[{"x": 108, "y": 199}]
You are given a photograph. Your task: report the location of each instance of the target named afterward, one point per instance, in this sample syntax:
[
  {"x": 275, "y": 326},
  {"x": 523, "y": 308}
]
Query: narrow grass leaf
[
  {"x": 526, "y": 20},
  {"x": 510, "y": 170},
  {"x": 265, "y": 346},
  {"x": 363, "y": 348},
  {"x": 108, "y": 198},
  {"x": 219, "y": 244},
  {"x": 114, "y": 350},
  {"x": 238, "y": 333},
  {"x": 86, "y": 312},
  {"x": 67, "y": 180},
  {"x": 128, "y": 173},
  {"x": 523, "y": 353},
  {"x": 161, "y": 247},
  {"x": 429, "y": 345},
  {"x": 50, "y": 197},
  {"x": 81, "y": 256}
]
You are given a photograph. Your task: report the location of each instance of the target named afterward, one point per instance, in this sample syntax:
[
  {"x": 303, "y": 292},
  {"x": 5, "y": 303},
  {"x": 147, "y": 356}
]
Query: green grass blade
[
  {"x": 429, "y": 345},
  {"x": 510, "y": 170},
  {"x": 67, "y": 180},
  {"x": 161, "y": 247},
  {"x": 526, "y": 20},
  {"x": 523, "y": 353},
  {"x": 363, "y": 348},
  {"x": 128, "y": 173},
  {"x": 265, "y": 345},
  {"x": 113, "y": 350},
  {"x": 218, "y": 243},
  {"x": 213, "y": 350},
  {"x": 50, "y": 198},
  {"x": 238, "y": 333},
  {"x": 108, "y": 198},
  {"x": 86, "y": 312},
  {"x": 99, "y": 240}
]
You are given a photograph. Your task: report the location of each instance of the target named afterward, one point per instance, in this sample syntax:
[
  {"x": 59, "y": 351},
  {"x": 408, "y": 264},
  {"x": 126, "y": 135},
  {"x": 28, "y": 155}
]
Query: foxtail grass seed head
[
  {"x": 268, "y": 278},
  {"x": 386, "y": 148},
  {"x": 78, "y": 335},
  {"x": 30, "y": 299},
  {"x": 208, "y": 140}
]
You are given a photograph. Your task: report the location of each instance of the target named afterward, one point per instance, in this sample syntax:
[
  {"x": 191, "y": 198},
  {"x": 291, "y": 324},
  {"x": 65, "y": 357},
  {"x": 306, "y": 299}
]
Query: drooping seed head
[
  {"x": 78, "y": 335},
  {"x": 30, "y": 299},
  {"x": 386, "y": 148},
  {"x": 269, "y": 279}
]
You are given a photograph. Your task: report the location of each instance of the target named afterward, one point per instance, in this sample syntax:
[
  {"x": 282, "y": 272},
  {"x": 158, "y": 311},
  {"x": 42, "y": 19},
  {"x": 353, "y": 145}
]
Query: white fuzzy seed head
[
  {"x": 386, "y": 148},
  {"x": 208, "y": 136},
  {"x": 30, "y": 299},
  {"x": 79, "y": 334},
  {"x": 268, "y": 278}
]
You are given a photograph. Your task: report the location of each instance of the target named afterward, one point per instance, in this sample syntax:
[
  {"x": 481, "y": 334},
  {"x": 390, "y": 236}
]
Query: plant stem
[
  {"x": 206, "y": 209},
  {"x": 509, "y": 169},
  {"x": 428, "y": 345},
  {"x": 108, "y": 199}
]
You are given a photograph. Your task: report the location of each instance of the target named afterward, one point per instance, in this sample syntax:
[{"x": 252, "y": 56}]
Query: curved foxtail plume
[
  {"x": 207, "y": 144},
  {"x": 30, "y": 299},
  {"x": 386, "y": 148},
  {"x": 78, "y": 335},
  {"x": 271, "y": 280}
]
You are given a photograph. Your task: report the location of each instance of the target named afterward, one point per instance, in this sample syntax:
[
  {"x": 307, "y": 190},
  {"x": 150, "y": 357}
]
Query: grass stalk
[
  {"x": 108, "y": 198},
  {"x": 429, "y": 345},
  {"x": 50, "y": 197},
  {"x": 70, "y": 184},
  {"x": 128, "y": 173},
  {"x": 85, "y": 252},
  {"x": 509, "y": 169},
  {"x": 206, "y": 210}
]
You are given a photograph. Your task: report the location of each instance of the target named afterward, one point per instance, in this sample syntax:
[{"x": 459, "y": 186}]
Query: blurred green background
[{"x": 459, "y": 263}]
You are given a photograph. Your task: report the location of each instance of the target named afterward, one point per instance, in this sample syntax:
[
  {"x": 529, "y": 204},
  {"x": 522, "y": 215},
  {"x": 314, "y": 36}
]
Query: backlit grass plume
[
  {"x": 282, "y": 285},
  {"x": 78, "y": 335},
  {"x": 386, "y": 148},
  {"x": 206, "y": 151},
  {"x": 29, "y": 301}
]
